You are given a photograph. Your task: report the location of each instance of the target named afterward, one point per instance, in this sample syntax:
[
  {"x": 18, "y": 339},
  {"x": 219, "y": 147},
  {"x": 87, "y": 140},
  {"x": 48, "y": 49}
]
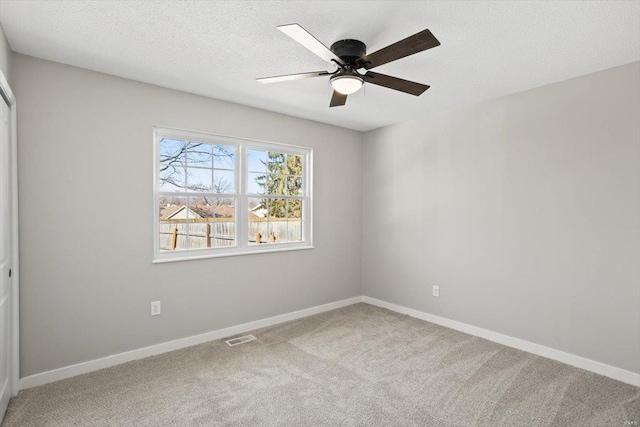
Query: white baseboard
[
  {"x": 141, "y": 353},
  {"x": 117, "y": 359},
  {"x": 540, "y": 350}
]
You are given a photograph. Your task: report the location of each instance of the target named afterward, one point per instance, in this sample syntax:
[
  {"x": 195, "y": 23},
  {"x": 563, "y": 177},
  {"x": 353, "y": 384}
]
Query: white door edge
[{"x": 9, "y": 97}]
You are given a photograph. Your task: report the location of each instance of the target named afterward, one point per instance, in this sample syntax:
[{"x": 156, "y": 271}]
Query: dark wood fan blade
[
  {"x": 276, "y": 79},
  {"x": 338, "y": 99},
  {"x": 395, "y": 83},
  {"x": 416, "y": 43},
  {"x": 305, "y": 38}
]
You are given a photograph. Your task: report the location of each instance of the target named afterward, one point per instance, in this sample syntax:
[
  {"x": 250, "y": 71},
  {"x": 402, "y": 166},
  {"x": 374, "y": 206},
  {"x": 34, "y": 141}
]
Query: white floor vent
[{"x": 240, "y": 340}]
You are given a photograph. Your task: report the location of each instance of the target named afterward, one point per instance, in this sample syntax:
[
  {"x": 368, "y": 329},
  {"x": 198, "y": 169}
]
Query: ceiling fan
[{"x": 350, "y": 57}]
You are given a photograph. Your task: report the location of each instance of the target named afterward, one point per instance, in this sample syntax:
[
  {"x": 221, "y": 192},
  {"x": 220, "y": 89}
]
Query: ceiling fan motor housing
[{"x": 349, "y": 50}]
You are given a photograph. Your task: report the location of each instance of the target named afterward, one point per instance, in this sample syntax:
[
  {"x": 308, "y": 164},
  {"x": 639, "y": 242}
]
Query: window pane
[
  {"x": 260, "y": 183},
  {"x": 256, "y": 161},
  {"x": 276, "y": 183},
  {"x": 277, "y": 209},
  {"x": 199, "y": 180},
  {"x": 172, "y": 178},
  {"x": 294, "y": 164},
  {"x": 224, "y": 157},
  {"x": 275, "y": 231},
  {"x": 198, "y": 234},
  {"x": 199, "y": 154},
  {"x": 294, "y": 209},
  {"x": 211, "y": 222},
  {"x": 172, "y": 223},
  {"x": 200, "y": 209},
  {"x": 294, "y": 185},
  {"x": 223, "y": 181},
  {"x": 171, "y": 152},
  {"x": 294, "y": 230},
  {"x": 257, "y": 208},
  {"x": 220, "y": 211},
  {"x": 276, "y": 162},
  {"x": 225, "y": 209},
  {"x": 173, "y": 236},
  {"x": 285, "y": 222},
  {"x": 283, "y": 173},
  {"x": 275, "y": 220},
  {"x": 257, "y": 183},
  {"x": 258, "y": 221},
  {"x": 224, "y": 228},
  {"x": 171, "y": 208},
  {"x": 294, "y": 220},
  {"x": 223, "y": 234}
]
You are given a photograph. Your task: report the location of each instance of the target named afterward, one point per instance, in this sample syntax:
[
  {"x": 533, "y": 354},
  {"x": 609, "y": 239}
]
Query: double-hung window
[{"x": 219, "y": 196}]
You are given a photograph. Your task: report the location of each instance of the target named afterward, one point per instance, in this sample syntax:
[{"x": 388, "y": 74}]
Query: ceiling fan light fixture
[{"x": 346, "y": 84}]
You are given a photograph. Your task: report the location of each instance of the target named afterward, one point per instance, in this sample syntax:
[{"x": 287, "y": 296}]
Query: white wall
[
  {"x": 525, "y": 210},
  {"x": 86, "y": 219},
  {"x": 5, "y": 55}
]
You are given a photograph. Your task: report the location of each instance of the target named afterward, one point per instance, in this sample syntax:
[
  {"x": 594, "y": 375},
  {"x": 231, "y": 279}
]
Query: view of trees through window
[
  {"x": 277, "y": 215},
  {"x": 199, "y": 197}
]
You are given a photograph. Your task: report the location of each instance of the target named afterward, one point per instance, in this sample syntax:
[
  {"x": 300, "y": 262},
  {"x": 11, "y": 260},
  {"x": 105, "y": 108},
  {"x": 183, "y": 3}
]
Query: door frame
[{"x": 7, "y": 94}]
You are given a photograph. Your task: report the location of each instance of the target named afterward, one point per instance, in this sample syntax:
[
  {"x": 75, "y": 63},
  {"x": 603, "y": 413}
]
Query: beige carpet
[{"x": 356, "y": 366}]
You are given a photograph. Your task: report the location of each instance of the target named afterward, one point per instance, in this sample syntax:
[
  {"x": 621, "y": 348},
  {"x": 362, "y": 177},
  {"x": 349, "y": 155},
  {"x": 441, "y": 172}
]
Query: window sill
[{"x": 228, "y": 254}]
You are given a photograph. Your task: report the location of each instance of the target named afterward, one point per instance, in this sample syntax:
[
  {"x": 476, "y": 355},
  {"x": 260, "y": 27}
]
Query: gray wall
[
  {"x": 86, "y": 230},
  {"x": 5, "y": 55},
  {"x": 525, "y": 210}
]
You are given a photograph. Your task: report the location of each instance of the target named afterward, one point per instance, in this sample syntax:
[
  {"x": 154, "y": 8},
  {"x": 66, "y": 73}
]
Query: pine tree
[{"x": 283, "y": 177}]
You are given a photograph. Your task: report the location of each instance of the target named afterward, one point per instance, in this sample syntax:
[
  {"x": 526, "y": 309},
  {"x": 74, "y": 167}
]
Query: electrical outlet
[
  {"x": 436, "y": 291},
  {"x": 155, "y": 308}
]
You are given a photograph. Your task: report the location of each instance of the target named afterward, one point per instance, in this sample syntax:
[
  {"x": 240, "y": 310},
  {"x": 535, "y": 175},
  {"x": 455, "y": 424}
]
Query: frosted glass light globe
[{"x": 346, "y": 84}]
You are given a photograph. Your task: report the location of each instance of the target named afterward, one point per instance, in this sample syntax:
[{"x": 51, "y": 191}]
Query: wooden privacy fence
[{"x": 201, "y": 234}]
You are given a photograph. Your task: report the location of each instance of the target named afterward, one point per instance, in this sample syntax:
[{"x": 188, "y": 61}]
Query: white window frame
[{"x": 241, "y": 196}]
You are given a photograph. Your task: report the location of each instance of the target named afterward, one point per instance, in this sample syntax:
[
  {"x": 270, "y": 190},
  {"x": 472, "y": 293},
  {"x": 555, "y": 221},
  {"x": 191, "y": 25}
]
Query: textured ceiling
[{"x": 217, "y": 49}]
